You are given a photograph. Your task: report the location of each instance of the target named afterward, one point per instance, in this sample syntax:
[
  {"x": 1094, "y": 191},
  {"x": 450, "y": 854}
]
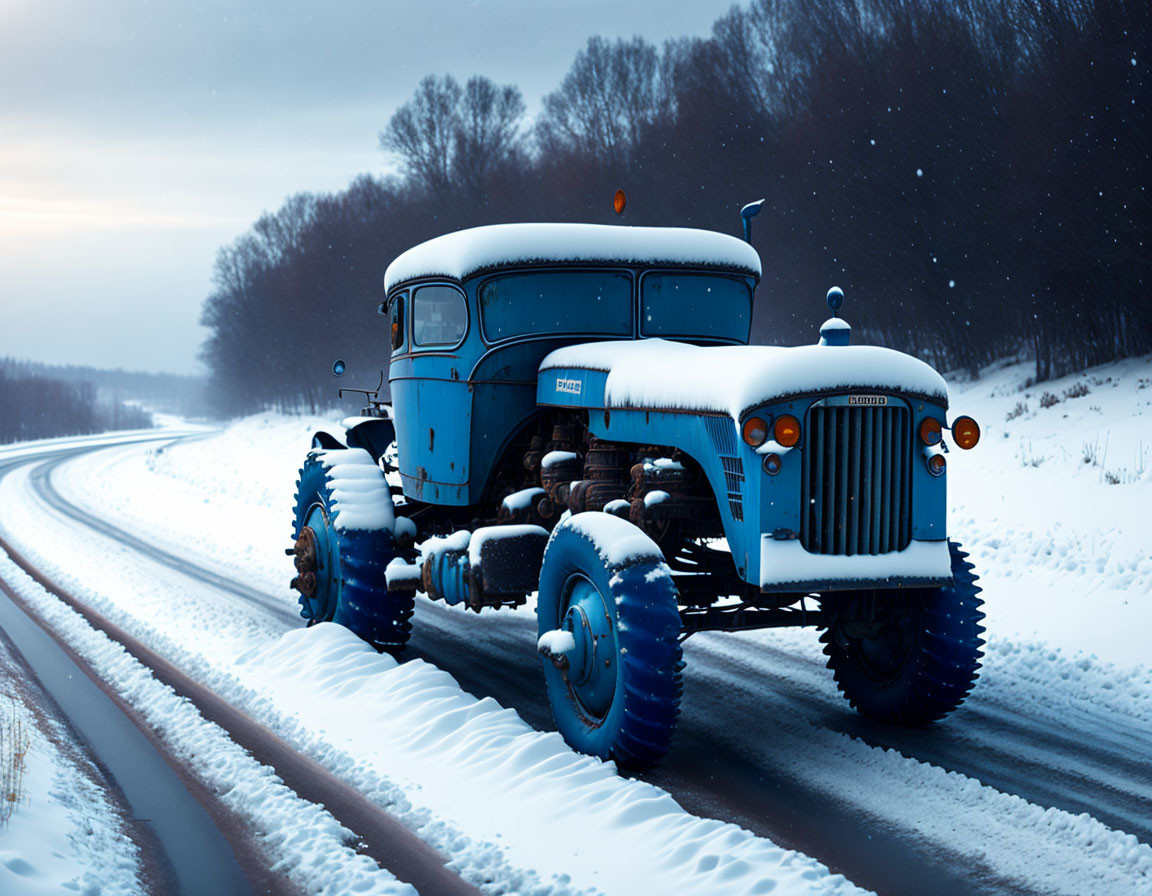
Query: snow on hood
[
  {"x": 465, "y": 252},
  {"x": 655, "y": 373}
]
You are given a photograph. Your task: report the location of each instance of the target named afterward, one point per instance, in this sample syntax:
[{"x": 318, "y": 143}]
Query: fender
[
  {"x": 327, "y": 441},
  {"x": 373, "y": 434}
]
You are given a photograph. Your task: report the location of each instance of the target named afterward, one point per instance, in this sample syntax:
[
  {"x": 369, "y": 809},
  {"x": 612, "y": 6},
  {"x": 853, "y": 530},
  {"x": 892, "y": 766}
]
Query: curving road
[
  {"x": 764, "y": 740},
  {"x": 193, "y": 835}
]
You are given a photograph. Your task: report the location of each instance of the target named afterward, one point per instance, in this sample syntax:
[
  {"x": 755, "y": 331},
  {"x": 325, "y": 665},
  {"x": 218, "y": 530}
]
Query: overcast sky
[{"x": 138, "y": 137}]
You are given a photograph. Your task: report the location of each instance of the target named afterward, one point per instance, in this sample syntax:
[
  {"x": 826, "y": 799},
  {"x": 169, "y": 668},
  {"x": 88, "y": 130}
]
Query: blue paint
[{"x": 459, "y": 406}]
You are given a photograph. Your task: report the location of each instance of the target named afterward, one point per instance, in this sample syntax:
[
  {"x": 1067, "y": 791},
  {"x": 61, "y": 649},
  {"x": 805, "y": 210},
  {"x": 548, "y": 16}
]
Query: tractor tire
[
  {"x": 907, "y": 657},
  {"x": 616, "y": 693},
  {"x": 346, "y": 557}
]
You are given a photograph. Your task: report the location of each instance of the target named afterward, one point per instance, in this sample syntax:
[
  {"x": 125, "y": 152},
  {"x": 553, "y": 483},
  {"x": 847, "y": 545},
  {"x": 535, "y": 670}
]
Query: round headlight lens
[
  {"x": 930, "y": 431},
  {"x": 965, "y": 432},
  {"x": 937, "y": 464},
  {"x": 787, "y": 430},
  {"x": 755, "y": 431}
]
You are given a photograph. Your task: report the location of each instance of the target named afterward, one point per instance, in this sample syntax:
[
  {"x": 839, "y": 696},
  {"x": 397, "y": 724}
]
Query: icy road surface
[{"x": 1041, "y": 783}]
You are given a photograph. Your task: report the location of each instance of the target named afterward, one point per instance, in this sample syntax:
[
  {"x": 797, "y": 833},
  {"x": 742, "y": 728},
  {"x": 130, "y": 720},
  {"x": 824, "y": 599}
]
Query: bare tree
[
  {"x": 423, "y": 132},
  {"x": 487, "y": 132},
  {"x": 611, "y": 93},
  {"x": 452, "y": 138}
]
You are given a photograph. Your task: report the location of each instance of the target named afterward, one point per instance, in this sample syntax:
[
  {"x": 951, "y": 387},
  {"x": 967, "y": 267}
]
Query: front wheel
[
  {"x": 609, "y": 626},
  {"x": 907, "y": 657},
  {"x": 343, "y": 540}
]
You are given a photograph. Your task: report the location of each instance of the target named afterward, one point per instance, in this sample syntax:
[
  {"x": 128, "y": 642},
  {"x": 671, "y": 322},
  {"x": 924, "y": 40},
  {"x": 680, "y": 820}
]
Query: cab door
[{"x": 431, "y": 397}]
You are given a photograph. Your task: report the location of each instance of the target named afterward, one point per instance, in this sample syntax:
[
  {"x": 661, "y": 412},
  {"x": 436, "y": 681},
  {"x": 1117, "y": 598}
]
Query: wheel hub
[
  {"x": 304, "y": 551},
  {"x": 592, "y": 661},
  {"x": 316, "y": 566},
  {"x": 882, "y": 638},
  {"x": 582, "y": 658}
]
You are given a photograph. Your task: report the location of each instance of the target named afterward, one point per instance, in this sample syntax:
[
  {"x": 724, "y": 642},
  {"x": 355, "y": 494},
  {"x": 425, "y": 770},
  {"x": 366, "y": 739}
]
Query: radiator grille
[
  {"x": 723, "y": 433},
  {"x": 856, "y": 489}
]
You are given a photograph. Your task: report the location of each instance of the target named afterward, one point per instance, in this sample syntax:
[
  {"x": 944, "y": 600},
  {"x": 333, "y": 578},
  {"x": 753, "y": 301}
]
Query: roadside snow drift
[{"x": 480, "y": 767}]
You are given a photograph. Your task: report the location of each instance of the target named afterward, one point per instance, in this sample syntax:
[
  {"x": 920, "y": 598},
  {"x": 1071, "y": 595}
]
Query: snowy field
[{"x": 1051, "y": 505}]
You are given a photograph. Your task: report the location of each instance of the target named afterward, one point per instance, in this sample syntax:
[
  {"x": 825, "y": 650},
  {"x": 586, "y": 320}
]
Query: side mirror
[{"x": 338, "y": 368}]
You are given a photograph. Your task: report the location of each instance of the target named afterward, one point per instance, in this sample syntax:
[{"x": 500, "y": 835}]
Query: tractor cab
[{"x": 473, "y": 314}]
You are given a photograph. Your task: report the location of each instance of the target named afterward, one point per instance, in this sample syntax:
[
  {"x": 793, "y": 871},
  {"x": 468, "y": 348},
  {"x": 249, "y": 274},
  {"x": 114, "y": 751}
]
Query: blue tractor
[{"x": 576, "y": 412}]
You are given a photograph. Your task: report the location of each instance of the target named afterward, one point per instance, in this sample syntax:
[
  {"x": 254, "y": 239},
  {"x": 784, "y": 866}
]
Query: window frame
[
  {"x": 396, "y": 305},
  {"x": 743, "y": 280},
  {"x": 633, "y": 296},
  {"x": 414, "y": 292}
]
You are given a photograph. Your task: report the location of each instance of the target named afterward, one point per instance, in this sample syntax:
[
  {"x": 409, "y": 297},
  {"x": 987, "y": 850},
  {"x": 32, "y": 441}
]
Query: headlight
[
  {"x": 787, "y": 430},
  {"x": 755, "y": 431},
  {"x": 930, "y": 431},
  {"x": 937, "y": 464},
  {"x": 965, "y": 432}
]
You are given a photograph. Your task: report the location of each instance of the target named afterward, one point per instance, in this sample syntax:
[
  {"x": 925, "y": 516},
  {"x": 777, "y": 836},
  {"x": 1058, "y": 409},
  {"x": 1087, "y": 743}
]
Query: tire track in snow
[{"x": 41, "y": 482}]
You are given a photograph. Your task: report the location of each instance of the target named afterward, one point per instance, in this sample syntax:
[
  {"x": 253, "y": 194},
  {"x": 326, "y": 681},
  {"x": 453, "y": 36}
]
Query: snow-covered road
[{"x": 1041, "y": 782}]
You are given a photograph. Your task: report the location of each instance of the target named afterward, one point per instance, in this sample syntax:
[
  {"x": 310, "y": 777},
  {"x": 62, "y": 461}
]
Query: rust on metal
[{"x": 305, "y": 559}]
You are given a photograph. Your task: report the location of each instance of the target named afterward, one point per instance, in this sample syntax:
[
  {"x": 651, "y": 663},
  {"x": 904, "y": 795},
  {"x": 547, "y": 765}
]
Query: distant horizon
[{"x": 12, "y": 359}]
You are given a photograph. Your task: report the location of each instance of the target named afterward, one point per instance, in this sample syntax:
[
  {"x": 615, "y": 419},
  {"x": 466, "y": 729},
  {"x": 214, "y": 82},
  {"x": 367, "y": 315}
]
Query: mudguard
[
  {"x": 327, "y": 441},
  {"x": 373, "y": 434}
]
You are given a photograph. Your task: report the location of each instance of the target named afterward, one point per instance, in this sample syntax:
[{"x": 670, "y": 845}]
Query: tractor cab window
[
  {"x": 593, "y": 303},
  {"x": 397, "y": 324},
  {"x": 695, "y": 306},
  {"x": 439, "y": 316}
]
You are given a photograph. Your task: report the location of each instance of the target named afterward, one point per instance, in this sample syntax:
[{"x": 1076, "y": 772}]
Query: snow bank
[
  {"x": 732, "y": 379},
  {"x": 1053, "y": 505},
  {"x": 466, "y": 252},
  {"x": 482, "y": 769},
  {"x": 65, "y": 832},
  {"x": 307, "y": 844}
]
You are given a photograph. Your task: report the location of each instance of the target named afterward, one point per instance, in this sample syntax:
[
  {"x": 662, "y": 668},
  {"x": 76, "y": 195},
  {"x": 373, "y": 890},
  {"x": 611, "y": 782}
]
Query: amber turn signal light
[
  {"x": 965, "y": 432},
  {"x": 787, "y": 430},
  {"x": 619, "y": 201},
  {"x": 936, "y": 464},
  {"x": 755, "y": 431},
  {"x": 930, "y": 431}
]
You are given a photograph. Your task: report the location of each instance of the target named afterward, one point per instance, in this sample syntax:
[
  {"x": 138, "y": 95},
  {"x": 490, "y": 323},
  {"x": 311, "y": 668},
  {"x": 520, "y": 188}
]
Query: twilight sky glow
[{"x": 138, "y": 137}]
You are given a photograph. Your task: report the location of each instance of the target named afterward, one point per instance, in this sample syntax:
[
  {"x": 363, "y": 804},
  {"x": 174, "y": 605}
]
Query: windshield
[
  {"x": 595, "y": 303},
  {"x": 694, "y": 306}
]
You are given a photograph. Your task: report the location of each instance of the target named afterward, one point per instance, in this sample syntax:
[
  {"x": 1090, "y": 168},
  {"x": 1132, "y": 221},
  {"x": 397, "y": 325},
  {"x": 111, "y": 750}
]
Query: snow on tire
[
  {"x": 343, "y": 529},
  {"x": 615, "y": 688}
]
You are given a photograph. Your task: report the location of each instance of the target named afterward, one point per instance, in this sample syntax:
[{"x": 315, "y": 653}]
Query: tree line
[
  {"x": 168, "y": 393},
  {"x": 972, "y": 174},
  {"x": 33, "y": 406}
]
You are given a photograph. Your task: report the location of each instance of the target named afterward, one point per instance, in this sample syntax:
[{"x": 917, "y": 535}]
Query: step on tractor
[{"x": 575, "y": 412}]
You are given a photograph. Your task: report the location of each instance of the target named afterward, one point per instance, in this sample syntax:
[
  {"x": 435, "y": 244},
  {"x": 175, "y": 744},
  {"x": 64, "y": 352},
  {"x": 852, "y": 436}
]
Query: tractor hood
[{"x": 659, "y": 375}]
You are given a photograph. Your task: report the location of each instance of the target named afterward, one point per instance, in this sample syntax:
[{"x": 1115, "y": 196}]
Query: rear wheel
[
  {"x": 908, "y": 657},
  {"x": 609, "y": 627},
  {"x": 343, "y": 540}
]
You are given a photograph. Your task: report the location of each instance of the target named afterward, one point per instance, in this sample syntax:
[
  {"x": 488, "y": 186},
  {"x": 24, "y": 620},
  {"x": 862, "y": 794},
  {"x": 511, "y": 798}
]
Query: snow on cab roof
[{"x": 467, "y": 252}]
